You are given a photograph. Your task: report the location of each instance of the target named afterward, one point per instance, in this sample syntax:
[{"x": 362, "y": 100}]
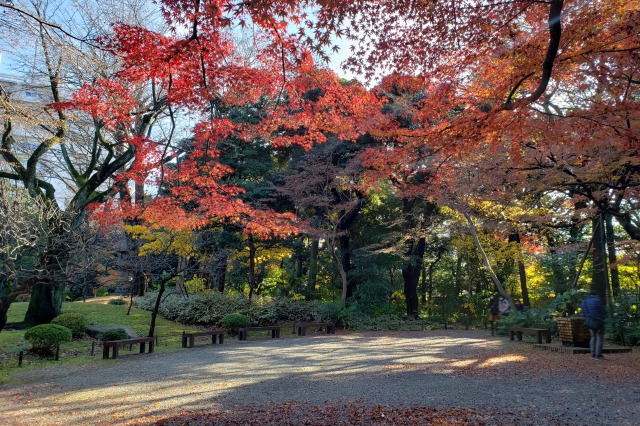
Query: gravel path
[{"x": 508, "y": 382}]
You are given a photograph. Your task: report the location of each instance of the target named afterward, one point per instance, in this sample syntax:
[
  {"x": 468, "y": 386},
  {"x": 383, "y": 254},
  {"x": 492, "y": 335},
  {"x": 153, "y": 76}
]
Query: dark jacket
[{"x": 593, "y": 307}]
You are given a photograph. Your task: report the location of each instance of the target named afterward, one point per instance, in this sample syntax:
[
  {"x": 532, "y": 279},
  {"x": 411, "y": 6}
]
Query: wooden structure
[
  {"x": 242, "y": 332},
  {"x": 117, "y": 344},
  {"x": 188, "y": 338},
  {"x": 539, "y": 332},
  {"x": 301, "y": 327}
]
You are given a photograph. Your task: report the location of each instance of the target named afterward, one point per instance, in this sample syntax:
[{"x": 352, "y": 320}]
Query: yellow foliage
[{"x": 180, "y": 243}]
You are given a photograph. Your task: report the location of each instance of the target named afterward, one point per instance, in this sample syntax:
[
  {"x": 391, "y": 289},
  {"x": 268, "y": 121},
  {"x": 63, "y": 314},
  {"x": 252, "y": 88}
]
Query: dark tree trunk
[
  {"x": 599, "y": 277},
  {"x": 47, "y": 294},
  {"x": 5, "y": 302},
  {"x": 611, "y": 251},
  {"x": 299, "y": 265},
  {"x": 345, "y": 252},
  {"x": 46, "y": 302},
  {"x": 139, "y": 282},
  {"x": 423, "y": 287},
  {"x": 515, "y": 238},
  {"x": 411, "y": 276},
  {"x": 156, "y": 307},
  {"x": 220, "y": 271}
]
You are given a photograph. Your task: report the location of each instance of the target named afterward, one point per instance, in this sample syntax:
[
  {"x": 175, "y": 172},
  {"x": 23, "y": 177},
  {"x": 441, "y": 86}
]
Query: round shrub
[
  {"x": 77, "y": 323},
  {"x": 117, "y": 302},
  {"x": 232, "y": 322},
  {"x": 115, "y": 334},
  {"x": 46, "y": 338}
]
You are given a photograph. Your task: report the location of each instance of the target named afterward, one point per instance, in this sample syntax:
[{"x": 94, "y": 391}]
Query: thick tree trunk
[
  {"x": 599, "y": 275},
  {"x": 47, "y": 294},
  {"x": 515, "y": 238},
  {"x": 411, "y": 276},
  {"x": 46, "y": 302},
  {"x": 220, "y": 272},
  {"x": 345, "y": 252},
  {"x": 611, "y": 251}
]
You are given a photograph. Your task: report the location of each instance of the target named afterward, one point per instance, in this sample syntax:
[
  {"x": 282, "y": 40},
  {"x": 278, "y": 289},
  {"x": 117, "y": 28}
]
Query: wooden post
[
  {"x": 20, "y": 357},
  {"x": 58, "y": 353},
  {"x": 93, "y": 348}
]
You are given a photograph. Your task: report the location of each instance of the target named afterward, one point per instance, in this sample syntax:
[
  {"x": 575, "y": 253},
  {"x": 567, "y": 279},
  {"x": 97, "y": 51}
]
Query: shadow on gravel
[{"x": 360, "y": 378}]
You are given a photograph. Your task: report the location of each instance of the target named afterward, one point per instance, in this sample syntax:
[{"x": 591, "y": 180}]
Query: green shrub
[
  {"x": 623, "y": 323},
  {"x": 530, "y": 318},
  {"x": 77, "y": 323},
  {"x": 633, "y": 337},
  {"x": 209, "y": 309},
  {"x": 232, "y": 322},
  {"x": 118, "y": 302},
  {"x": 329, "y": 311},
  {"x": 115, "y": 334},
  {"x": 46, "y": 338}
]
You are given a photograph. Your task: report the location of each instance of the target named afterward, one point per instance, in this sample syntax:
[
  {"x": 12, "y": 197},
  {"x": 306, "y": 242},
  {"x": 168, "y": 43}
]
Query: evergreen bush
[
  {"x": 77, "y": 323},
  {"x": 115, "y": 334},
  {"x": 529, "y": 318},
  {"x": 232, "y": 322},
  {"x": 118, "y": 302},
  {"x": 210, "y": 309},
  {"x": 46, "y": 338}
]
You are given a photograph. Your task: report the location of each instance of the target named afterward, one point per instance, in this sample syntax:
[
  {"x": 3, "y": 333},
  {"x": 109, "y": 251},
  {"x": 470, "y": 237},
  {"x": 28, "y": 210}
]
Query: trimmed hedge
[
  {"x": 232, "y": 322},
  {"x": 77, "y": 323},
  {"x": 46, "y": 338},
  {"x": 115, "y": 334}
]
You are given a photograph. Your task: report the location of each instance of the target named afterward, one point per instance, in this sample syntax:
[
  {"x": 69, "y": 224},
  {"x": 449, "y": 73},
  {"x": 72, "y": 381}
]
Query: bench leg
[
  {"x": 539, "y": 333},
  {"x": 548, "y": 336},
  {"x": 278, "y": 333},
  {"x": 142, "y": 347},
  {"x": 220, "y": 338},
  {"x": 302, "y": 330},
  {"x": 511, "y": 334},
  {"x": 115, "y": 351},
  {"x": 242, "y": 335},
  {"x": 151, "y": 346},
  {"x": 105, "y": 352}
]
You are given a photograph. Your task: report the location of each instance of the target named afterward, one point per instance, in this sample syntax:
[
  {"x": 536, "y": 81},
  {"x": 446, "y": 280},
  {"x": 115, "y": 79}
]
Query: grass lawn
[{"x": 97, "y": 311}]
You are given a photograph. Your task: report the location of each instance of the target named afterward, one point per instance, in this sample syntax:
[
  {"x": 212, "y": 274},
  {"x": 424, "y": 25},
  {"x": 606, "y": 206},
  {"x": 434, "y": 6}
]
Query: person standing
[
  {"x": 595, "y": 314},
  {"x": 494, "y": 312}
]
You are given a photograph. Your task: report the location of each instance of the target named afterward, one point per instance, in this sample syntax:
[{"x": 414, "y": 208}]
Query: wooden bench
[
  {"x": 188, "y": 338},
  {"x": 242, "y": 332},
  {"x": 116, "y": 344},
  {"x": 539, "y": 332},
  {"x": 301, "y": 327}
]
